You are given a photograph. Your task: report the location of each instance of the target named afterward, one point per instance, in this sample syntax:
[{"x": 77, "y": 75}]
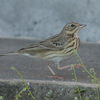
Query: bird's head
[{"x": 72, "y": 28}]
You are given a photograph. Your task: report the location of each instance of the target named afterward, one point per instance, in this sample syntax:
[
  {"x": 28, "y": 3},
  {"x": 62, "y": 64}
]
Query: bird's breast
[
  {"x": 71, "y": 46},
  {"x": 77, "y": 43}
]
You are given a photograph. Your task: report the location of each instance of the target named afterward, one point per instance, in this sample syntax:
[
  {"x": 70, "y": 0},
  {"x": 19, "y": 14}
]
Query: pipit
[{"x": 55, "y": 49}]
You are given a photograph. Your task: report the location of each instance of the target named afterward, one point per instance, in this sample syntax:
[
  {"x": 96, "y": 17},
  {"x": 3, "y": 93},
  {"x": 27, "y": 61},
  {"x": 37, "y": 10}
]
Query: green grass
[
  {"x": 1, "y": 98},
  {"x": 91, "y": 73},
  {"x": 24, "y": 84}
]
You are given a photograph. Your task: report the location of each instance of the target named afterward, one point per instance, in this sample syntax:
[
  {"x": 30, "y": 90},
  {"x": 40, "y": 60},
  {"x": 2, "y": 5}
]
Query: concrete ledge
[{"x": 39, "y": 88}]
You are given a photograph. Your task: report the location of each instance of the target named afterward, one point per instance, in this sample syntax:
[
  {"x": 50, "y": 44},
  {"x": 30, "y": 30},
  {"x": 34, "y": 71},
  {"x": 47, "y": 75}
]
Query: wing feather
[{"x": 55, "y": 42}]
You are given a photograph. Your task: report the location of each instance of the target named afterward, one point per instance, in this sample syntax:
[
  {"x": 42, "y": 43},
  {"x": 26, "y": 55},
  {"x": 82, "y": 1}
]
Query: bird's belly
[
  {"x": 52, "y": 58},
  {"x": 57, "y": 59}
]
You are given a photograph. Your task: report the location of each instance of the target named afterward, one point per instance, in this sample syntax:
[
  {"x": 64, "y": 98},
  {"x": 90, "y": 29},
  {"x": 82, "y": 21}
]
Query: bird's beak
[{"x": 82, "y": 25}]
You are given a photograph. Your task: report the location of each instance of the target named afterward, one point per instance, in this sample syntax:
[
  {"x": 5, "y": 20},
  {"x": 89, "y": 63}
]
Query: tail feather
[{"x": 10, "y": 53}]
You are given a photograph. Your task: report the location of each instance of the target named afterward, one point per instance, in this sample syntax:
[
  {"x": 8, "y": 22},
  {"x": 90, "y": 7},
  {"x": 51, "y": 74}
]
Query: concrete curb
[{"x": 39, "y": 88}]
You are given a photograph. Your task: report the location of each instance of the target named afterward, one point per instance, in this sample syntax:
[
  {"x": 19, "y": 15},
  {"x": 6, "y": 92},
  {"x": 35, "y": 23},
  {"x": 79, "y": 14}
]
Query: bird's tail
[{"x": 10, "y": 53}]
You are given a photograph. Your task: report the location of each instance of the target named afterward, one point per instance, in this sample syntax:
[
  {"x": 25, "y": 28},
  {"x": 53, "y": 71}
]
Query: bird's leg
[
  {"x": 75, "y": 65},
  {"x": 54, "y": 75}
]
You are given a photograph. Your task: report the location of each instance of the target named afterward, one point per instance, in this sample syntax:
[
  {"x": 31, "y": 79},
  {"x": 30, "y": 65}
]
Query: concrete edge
[
  {"x": 22, "y": 38},
  {"x": 39, "y": 88},
  {"x": 14, "y": 81},
  {"x": 38, "y": 39}
]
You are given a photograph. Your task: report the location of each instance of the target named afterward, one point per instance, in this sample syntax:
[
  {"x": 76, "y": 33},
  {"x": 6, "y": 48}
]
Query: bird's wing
[{"x": 55, "y": 42}]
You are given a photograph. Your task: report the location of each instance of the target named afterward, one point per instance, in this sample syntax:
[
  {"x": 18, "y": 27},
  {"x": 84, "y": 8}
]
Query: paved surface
[{"x": 36, "y": 69}]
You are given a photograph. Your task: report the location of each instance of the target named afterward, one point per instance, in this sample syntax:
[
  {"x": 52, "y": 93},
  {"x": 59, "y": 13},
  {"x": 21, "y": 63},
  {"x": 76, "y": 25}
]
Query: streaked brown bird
[{"x": 57, "y": 48}]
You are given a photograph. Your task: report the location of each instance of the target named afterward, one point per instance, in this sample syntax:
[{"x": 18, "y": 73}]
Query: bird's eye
[{"x": 72, "y": 25}]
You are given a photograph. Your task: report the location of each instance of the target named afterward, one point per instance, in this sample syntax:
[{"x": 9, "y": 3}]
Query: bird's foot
[{"x": 75, "y": 65}]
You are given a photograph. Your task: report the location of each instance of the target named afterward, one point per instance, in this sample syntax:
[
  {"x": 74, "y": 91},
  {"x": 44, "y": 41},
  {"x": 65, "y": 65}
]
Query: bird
[{"x": 56, "y": 49}]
